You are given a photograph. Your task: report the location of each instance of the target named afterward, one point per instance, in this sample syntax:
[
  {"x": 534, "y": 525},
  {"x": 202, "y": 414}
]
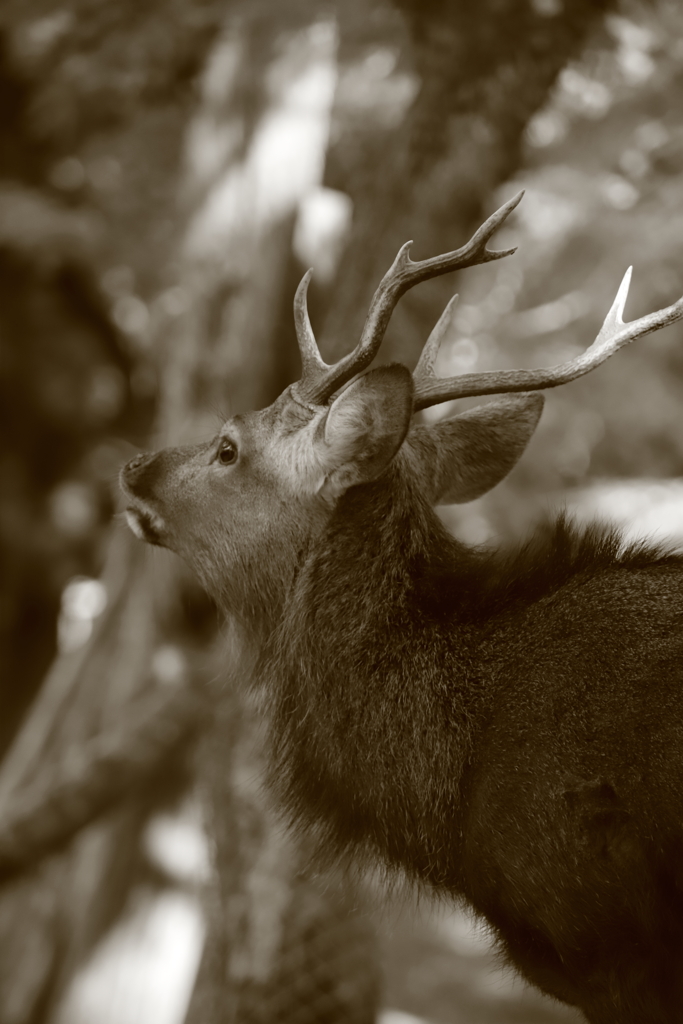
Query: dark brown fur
[{"x": 509, "y": 730}]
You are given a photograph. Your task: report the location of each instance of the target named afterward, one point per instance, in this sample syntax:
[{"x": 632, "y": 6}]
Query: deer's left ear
[
  {"x": 461, "y": 458},
  {"x": 364, "y": 428}
]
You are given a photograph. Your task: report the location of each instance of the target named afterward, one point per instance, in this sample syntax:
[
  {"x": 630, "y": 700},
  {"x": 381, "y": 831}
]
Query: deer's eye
[{"x": 227, "y": 453}]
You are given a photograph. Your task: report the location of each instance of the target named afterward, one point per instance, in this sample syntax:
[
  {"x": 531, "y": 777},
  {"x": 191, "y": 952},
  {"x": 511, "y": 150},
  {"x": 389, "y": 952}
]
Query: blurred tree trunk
[{"x": 283, "y": 944}]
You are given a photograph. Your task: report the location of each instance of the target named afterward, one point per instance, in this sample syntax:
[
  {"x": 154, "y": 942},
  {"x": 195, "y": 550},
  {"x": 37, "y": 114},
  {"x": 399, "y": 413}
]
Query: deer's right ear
[
  {"x": 364, "y": 428},
  {"x": 461, "y": 458}
]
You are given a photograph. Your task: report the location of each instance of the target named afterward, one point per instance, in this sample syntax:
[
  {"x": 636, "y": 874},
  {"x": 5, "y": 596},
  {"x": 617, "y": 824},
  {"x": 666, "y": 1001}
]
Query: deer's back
[
  {"x": 580, "y": 763},
  {"x": 590, "y": 679}
]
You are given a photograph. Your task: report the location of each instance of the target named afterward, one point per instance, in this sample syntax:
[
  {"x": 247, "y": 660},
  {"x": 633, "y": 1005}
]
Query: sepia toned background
[{"x": 168, "y": 170}]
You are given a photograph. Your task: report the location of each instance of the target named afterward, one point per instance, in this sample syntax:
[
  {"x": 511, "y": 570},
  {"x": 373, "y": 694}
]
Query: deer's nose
[
  {"x": 135, "y": 473},
  {"x": 138, "y": 463}
]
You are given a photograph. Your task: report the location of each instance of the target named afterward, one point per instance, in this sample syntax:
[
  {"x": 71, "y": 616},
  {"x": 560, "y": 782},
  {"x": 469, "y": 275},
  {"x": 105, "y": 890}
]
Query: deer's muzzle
[{"x": 137, "y": 480}]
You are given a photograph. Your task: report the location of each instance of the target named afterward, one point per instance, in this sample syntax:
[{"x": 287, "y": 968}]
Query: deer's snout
[
  {"x": 137, "y": 482},
  {"x": 152, "y": 483},
  {"x": 138, "y": 476}
]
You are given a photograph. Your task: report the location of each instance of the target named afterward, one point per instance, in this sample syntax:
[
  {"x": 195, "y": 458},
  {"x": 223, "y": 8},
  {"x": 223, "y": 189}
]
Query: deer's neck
[{"x": 376, "y": 701}]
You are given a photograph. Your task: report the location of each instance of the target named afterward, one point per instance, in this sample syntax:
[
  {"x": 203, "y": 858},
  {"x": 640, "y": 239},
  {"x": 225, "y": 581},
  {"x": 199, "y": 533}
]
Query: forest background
[{"x": 168, "y": 170}]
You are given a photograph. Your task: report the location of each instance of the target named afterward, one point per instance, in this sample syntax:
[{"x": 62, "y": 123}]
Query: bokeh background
[{"x": 168, "y": 170}]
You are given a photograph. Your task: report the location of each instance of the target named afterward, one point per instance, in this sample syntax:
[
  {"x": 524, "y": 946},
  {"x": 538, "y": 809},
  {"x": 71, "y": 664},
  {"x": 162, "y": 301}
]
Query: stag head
[{"x": 243, "y": 508}]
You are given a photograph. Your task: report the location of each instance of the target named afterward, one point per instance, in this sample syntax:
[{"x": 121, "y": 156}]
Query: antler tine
[
  {"x": 320, "y": 381},
  {"x": 311, "y": 361},
  {"x": 425, "y": 365},
  {"x": 613, "y": 335}
]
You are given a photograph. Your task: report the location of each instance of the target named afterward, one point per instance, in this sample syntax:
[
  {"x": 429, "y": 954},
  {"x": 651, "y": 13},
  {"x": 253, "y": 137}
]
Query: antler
[
  {"x": 613, "y": 335},
  {"x": 319, "y": 380}
]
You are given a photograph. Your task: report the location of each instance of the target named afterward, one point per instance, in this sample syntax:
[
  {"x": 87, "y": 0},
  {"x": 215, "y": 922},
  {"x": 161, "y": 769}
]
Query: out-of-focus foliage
[
  {"x": 94, "y": 100},
  {"x": 602, "y": 173},
  {"x": 424, "y": 170}
]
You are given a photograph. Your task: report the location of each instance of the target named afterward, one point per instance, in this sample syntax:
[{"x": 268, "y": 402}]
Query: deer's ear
[
  {"x": 364, "y": 428},
  {"x": 461, "y": 458}
]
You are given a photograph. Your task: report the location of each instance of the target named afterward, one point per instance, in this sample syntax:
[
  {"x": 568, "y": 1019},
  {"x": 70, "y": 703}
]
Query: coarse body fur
[{"x": 507, "y": 730}]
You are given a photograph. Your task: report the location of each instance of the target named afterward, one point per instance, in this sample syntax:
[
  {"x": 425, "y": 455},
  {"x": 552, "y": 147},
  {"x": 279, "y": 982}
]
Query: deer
[{"x": 502, "y": 728}]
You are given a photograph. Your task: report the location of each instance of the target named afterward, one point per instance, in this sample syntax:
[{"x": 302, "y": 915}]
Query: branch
[{"x": 44, "y": 816}]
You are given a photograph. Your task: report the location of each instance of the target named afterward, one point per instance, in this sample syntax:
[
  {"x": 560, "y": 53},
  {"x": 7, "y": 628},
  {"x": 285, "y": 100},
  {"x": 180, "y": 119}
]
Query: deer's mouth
[
  {"x": 144, "y": 522},
  {"x": 146, "y": 525}
]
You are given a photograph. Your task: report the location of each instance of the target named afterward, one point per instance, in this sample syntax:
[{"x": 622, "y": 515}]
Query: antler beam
[
  {"x": 319, "y": 380},
  {"x": 613, "y": 335}
]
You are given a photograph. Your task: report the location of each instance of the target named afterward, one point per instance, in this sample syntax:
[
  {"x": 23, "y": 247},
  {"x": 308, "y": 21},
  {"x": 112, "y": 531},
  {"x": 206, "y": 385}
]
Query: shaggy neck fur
[{"x": 376, "y": 698}]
